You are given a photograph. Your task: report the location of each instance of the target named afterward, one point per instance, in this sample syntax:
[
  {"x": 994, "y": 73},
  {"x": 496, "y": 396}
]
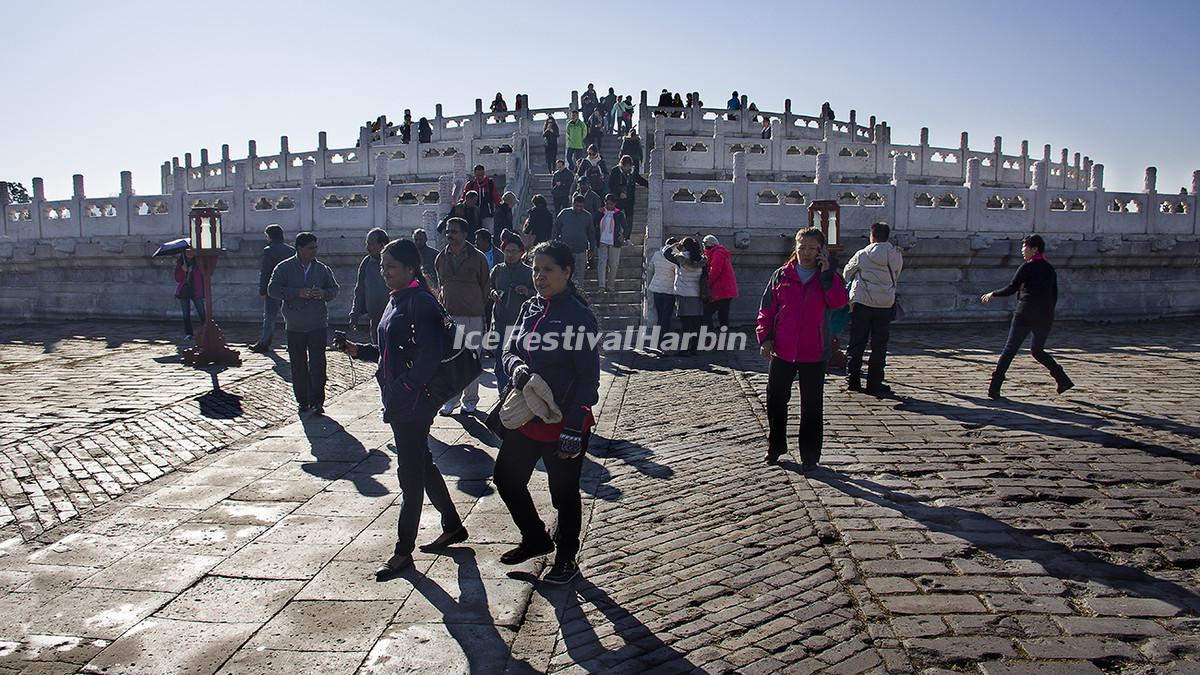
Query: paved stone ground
[
  {"x": 948, "y": 532},
  {"x": 92, "y": 409}
]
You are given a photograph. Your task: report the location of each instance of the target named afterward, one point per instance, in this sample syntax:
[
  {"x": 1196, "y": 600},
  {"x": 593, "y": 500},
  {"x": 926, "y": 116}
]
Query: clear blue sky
[{"x": 95, "y": 88}]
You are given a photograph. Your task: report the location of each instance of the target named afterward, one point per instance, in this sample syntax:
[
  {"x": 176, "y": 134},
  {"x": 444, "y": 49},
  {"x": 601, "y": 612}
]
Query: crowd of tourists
[{"x": 522, "y": 283}]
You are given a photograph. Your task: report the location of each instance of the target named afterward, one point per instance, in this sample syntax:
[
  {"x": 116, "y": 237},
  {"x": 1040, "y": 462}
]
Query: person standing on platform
[
  {"x": 370, "y": 291},
  {"x": 794, "y": 335},
  {"x": 1036, "y": 283},
  {"x": 722, "y": 283},
  {"x": 275, "y": 252},
  {"x": 872, "y": 274},
  {"x": 489, "y": 197},
  {"x": 463, "y": 271},
  {"x": 305, "y": 285},
  {"x": 577, "y": 132},
  {"x": 412, "y": 342},
  {"x": 550, "y": 135},
  {"x": 572, "y": 373},
  {"x": 512, "y": 285}
]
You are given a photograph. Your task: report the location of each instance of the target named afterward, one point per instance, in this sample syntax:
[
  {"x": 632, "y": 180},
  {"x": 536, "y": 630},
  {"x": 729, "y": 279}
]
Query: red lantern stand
[
  {"x": 826, "y": 214},
  {"x": 210, "y": 348}
]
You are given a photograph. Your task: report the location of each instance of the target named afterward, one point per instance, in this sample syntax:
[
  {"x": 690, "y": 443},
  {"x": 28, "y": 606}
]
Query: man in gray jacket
[
  {"x": 275, "y": 252},
  {"x": 576, "y": 228},
  {"x": 305, "y": 286},
  {"x": 371, "y": 293},
  {"x": 872, "y": 274}
]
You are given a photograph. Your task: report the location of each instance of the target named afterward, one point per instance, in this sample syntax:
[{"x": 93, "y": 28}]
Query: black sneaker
[
  {"x": 880, "y": 390},
  {"x": 318, "y": 410},
  {"x": 260, "y": 347},
  {"x": 773, "y": 457},
  {"x": 394, "y": 565},
  {"x": 562, "y": 572},
  {"x": 525, "y": 551},
  {"x": 853, "y": 385},
  {"x": 1065, "y": 385},
  {"x": 994, "y": 394},
  {"x": 808, "y": 467},
  {"x": 302, "y": 408},
  {"x": 447, "y": 539}
]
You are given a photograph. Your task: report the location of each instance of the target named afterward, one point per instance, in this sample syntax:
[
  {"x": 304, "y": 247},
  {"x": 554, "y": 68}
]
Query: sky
[{"x": 97, "y": 88}]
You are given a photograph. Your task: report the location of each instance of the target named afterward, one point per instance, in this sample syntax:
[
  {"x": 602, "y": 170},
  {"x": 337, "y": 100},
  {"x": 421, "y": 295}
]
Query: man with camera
[{"x": 305, "y": 286}]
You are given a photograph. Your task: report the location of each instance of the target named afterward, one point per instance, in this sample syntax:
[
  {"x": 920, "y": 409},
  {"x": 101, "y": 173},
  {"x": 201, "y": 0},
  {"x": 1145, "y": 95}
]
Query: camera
[{"x": 339, "y": 340}]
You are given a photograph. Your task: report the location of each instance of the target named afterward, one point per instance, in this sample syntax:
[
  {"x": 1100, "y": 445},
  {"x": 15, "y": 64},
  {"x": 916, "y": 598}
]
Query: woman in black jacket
[
  {"x": 540, "y": 222},
  {"x": 424, "y": 131},
  {"x": 571, "y": 369},
  {"x": 550, "y": 134},
  {"x": 412, "y": 343}
]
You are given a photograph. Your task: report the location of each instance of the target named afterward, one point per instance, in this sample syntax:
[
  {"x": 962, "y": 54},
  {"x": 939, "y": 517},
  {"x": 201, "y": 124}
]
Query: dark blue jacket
[
  {"x": 412, "y": 335},
  {"x": 573, "y": 370}
]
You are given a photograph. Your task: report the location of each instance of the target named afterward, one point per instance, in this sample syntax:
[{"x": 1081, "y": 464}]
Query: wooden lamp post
[{"x": 210, "y": 349}]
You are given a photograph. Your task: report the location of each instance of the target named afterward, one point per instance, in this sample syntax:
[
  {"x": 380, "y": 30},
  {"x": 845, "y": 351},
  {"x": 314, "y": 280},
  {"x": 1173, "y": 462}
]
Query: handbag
[
  {"x": 897, "y": 308},
  {"x": 492, "y": 421},
  {"x": 456, "y": 370}
]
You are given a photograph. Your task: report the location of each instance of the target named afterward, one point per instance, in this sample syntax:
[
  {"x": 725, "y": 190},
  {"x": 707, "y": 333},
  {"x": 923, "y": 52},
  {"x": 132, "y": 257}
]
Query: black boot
[
  {"x": 1064, "y": 382},
  {"x": 994, "y": 387}
]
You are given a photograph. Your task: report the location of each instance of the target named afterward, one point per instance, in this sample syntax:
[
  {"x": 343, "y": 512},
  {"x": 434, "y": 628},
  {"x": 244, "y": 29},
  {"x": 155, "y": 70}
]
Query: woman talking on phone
[
  {"x": 412, "y": 342},
  {"x": 793, "y": 332}
]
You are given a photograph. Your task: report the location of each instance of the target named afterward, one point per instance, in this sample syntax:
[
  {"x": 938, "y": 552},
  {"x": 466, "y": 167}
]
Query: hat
[{"x": 711, "y": 240}]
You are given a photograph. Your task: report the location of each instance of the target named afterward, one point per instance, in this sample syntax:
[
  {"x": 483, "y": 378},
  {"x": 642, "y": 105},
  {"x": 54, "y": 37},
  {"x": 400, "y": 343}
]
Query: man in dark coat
[{"x": 275, "y": 252}]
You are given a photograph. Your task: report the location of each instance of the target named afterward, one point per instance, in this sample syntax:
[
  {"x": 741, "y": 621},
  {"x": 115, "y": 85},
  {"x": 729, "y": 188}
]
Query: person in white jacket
[
  {"x": 872, "y": 274},
  {"x": 661, "y": 287}
]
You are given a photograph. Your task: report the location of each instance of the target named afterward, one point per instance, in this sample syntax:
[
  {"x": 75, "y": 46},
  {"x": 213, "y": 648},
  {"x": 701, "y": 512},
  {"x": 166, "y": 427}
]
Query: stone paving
[
  {"x": 947, "y": 532},
  {"x": 93, "y": 409}
]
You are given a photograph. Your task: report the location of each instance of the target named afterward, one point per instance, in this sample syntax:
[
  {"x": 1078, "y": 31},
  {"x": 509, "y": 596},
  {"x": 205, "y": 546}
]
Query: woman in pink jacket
[{"x": 793, "y": 332}]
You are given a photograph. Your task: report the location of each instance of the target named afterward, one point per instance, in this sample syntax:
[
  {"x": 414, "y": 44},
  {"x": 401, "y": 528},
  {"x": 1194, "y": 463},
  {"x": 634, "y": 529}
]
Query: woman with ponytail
[
  {"x": 412, "y": 343},
  {"x": 554, "y": 339}
]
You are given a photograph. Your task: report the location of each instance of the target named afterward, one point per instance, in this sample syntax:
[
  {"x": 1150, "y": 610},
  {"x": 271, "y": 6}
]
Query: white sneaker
[
  {"x": 447, "y": 410},
  {"x": 469, "y": 408}
]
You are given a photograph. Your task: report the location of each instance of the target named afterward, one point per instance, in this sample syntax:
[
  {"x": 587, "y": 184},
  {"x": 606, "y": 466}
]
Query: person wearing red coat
[
  {"x": 722, "y": 282},
  {"x": 189, "y": 288}
]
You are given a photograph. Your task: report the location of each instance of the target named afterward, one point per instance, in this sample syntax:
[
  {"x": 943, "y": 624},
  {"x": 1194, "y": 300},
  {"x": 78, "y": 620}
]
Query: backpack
[{"x": 458, "y": 367}]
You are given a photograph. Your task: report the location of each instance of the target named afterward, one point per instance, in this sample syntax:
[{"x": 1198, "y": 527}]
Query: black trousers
[
  {"x": 1021, "y": 327},
  {"x": 518, "y": 456},
  {"x": 689, "y": 341},
  {"x": 721, "y": 309},
  {"x": 874, "y": 324},
  {"x": 419, "y": 476},
  {"x": 780, "y": 376},
  {"x": 306, "y": 351}
]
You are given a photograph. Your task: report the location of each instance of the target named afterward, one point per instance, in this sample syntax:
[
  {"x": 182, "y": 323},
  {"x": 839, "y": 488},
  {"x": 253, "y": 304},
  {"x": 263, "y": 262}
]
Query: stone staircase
[{"x": 623, "y": 307}]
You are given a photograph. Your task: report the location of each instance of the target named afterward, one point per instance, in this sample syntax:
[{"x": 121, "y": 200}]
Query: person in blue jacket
[
  {"x": 412, "y": 343},
  {"x": 551, "y": 341}
]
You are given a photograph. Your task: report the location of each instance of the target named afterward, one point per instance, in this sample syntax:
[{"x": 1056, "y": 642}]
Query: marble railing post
[
  {"x": 204, "y": 169},
  {"x": 251, "y": 163},
  {"x": 285, "y": 161},
  {"x": 789, "y": 119},
  {"x": 741, "y": 191},
  {"x": 718, "y": 154},
  {"x": 124, "y": 202},
  {"x": 1078, "y": 182},
  {"x": 902, "y": 199},
  {"x": 5, "y": 230},
  {"x": 77, "y": 198},
  {"x": 643, "y": 123},
  {"x": 308, "y": 194},
  {"x": 1024, "y": 163},
  {"x": 1041, "y": 197},
  {"x": 1150, "y": 187},
  {"x": 225, "y": 164},
  {"x": 778, "y": 147},
  {"x": 1066, "y": 157},
  {"x": 654, "y": 212},
  {"x": 575, "y": 101},
  {"x": 379, "y": 189},
  {"x": 1097, "y": 184},
  {"x": 239, "y": 202},
  {"x": 822, "y": 178},
  {"x": 37, "y": 204},
  {"x": 187, "y": 171},
  {"x": 468, "y": 143},
  {"x": 923, "y": 154},
  {"x": 1086, "y": 176},
  {"x": 429, "y": 221},
  {"x": 178, "y": 201},
  {"x": 972, "y": 185}
]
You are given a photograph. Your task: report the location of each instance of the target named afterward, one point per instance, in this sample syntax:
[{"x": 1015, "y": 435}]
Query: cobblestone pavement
[
  {"x": 947, "y": 532},
  {"x": 92, "y": 409}
]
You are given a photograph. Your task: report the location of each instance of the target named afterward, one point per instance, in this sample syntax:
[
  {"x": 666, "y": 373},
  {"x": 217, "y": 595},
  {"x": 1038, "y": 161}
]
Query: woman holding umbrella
[{"x": 189, "y": 288}]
